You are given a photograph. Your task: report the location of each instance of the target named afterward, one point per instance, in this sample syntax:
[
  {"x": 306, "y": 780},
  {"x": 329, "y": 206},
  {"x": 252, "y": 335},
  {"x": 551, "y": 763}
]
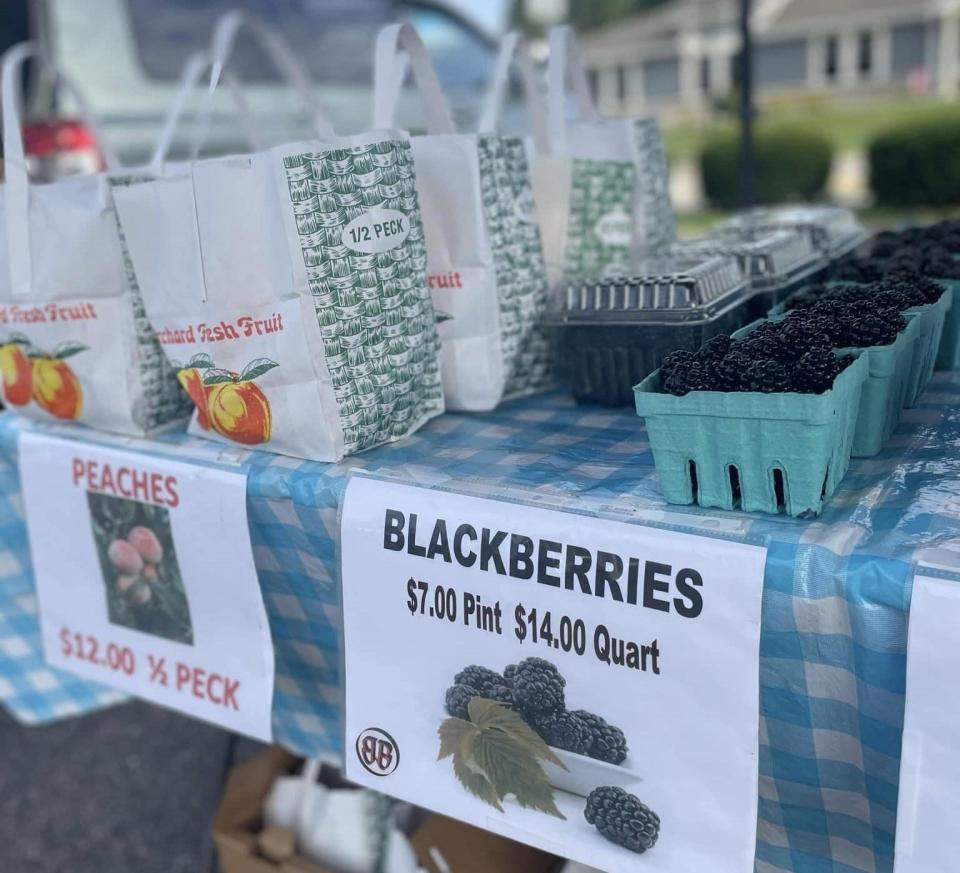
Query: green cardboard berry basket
[
  {"x": 948, "y": 354},
  {"x": 927, "y": 327},
  {"x": 885, "y": 389},
  {"x": 887, "y": 381},
  {"x": 930, "y": 320},
  {"x": 773, "y": 453}
]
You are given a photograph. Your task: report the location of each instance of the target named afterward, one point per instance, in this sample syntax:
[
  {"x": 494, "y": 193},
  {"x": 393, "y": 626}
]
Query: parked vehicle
[{"x": 127, "y": 56}]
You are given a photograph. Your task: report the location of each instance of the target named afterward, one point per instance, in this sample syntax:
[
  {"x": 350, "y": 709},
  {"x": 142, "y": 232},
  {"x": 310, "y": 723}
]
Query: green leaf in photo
[
  {"x": 488, "y": 714},
  {"x": 476, "y": 783},
  {"x": 495, "y": 754},
  {"x": 456, "y": 735}
]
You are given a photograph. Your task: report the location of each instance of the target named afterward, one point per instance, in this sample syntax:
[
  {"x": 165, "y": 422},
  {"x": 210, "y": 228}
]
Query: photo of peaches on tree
[
  {"x": 46, "y": 379},
  {"x": 231, "y": 404},
  {"x": 139, "y": 563}
]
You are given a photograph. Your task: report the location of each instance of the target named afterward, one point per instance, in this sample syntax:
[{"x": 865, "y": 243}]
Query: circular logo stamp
[{"x": 377, "y": 751}]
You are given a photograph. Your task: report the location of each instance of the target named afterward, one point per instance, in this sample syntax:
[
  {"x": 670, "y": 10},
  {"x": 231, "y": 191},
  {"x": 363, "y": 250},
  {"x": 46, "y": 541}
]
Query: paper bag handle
[
  {"x": 566, "y": 64},
  {"x": 281, "y": 55},
  {"x": 17, "y": 187},
  {"x": 196, "y": 65},
  {"x": 514, "y": 50},
  {"x": 389, "y": 69}
]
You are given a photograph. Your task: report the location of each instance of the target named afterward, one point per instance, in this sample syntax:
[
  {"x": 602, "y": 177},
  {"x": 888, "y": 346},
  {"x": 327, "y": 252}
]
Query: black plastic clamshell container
[{"x": 616, "y": 331}]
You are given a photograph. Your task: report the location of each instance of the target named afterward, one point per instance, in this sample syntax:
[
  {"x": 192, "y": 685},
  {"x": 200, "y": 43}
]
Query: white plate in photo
[{"x": 583, "y": 774}]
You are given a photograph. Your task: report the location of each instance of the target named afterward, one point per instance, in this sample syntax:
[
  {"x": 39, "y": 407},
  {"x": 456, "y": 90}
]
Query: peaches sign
[{"x": 145, "y": 578}]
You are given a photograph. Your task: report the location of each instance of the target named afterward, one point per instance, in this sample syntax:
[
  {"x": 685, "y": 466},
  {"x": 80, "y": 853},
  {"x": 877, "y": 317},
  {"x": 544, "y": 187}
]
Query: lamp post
[{"x": 746, "y": 162}]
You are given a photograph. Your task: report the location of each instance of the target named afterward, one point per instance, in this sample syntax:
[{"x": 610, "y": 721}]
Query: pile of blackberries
[
  {"x": 899, "y": 291},
  {"x": 919, "y": 251},
  {"x": 795, "y": 355}
]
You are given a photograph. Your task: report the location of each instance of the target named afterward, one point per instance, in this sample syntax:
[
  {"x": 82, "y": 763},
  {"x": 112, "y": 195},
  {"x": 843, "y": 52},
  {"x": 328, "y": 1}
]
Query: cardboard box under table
[{"x": 244, "y": 846}]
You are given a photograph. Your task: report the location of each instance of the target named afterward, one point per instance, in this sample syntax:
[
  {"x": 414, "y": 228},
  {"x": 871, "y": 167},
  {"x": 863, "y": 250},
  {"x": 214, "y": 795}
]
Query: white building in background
[{"x": 683, "y": 53}]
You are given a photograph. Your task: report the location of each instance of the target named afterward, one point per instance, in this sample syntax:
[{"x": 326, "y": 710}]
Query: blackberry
[
  {"x": 502, "y": 693},
  {"x": 769, "y": 377},
  {"x": 537, "y": 686},
  {"x": 732, "y": 370},
  {"x": 607, "y": 743},
  {"x": 622, "y": 818},
  {"x": 458, "y": 698},
  {"x": 678, "y": 358},
  {"x": 886, "y": 243},
  {"x": 563, "y": 730},
  {"x": 860, "y": 270},
  {"x": 702, "y": 377},
  {"x": 675, "y": 381},
  {"x": 818, "y": 322},
  {"x": 818, "y": 296},
  {"x": 481, "y": 678},
  {"x": 878, "y": 328},
  {"x": 760, "y": 348},
  {"x": 798, "y": 336},
  {"x": 688, "y": 377},
  {"x": 816, "y": 370},
  {"x": 921, "y": 289},
  {"x": 715, "y": 348}
]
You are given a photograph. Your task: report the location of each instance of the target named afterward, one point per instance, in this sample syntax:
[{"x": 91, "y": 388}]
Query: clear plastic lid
[
  {"x": 661, "y": 290},
  {"x": 770, "y": 259},
  {"x": 833, "y": 230}
]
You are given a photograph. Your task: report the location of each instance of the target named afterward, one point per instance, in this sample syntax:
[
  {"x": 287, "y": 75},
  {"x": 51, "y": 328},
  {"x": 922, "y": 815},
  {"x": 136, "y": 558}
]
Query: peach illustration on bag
[
  {"x": 230, "y": 403},
  {"x": 16, "y": 371},
  {"x": 51, "y": 384},
  {"x": 190, "y": 378}
]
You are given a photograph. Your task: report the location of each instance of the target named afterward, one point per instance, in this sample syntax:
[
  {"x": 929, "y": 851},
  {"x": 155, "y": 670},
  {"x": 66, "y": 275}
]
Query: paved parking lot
[{"x": 132, "y": 789}]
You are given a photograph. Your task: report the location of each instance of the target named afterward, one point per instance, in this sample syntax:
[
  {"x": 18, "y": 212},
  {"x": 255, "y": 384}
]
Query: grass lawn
[{"x": 850, "y": 124}]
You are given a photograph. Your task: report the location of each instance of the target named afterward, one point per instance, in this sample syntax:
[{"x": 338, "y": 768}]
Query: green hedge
[
  {"x": 790, "y": 164},
  {"x": 917, "y": 165}
]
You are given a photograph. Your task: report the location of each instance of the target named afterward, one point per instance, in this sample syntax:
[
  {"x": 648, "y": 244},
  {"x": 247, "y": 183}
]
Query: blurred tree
[{"x": 582, "y": 14}]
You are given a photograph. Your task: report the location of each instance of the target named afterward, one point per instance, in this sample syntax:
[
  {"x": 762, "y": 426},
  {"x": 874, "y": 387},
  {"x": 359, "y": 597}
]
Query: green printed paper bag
[
  {"x": 484, "y": 259},
  {"x": 289, "y": 285}
]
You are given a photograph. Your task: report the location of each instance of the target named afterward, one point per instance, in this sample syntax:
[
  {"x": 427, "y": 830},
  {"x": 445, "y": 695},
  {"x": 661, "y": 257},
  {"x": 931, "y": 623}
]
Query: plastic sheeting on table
[{"x": 836, "y": 591}]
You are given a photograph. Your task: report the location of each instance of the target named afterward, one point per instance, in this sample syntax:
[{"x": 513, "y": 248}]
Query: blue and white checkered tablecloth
[{"x": 836, "y": 596}]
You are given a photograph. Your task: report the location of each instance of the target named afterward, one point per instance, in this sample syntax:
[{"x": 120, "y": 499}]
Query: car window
[
  {"x": 462, "y": 59},
  {"x": 334, "y": 38}
]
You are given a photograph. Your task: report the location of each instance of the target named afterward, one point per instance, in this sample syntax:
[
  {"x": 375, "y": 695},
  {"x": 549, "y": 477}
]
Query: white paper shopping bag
[
  {"x": 289, "y": 285},
  {"x": 75, "y": 342},
  {"x": 600, "y": 184},
  {"x": 484, "y": 258}
]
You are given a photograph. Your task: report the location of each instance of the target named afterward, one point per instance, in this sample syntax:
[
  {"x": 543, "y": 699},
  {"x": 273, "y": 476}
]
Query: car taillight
[{"x": 60, "y": 147}]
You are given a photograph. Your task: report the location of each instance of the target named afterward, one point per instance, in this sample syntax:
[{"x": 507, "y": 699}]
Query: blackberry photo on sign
[
  {"x": 622, "y": 818},
  {"x": 511, "y": 734},
  {"x": 537, "y": 686}
]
